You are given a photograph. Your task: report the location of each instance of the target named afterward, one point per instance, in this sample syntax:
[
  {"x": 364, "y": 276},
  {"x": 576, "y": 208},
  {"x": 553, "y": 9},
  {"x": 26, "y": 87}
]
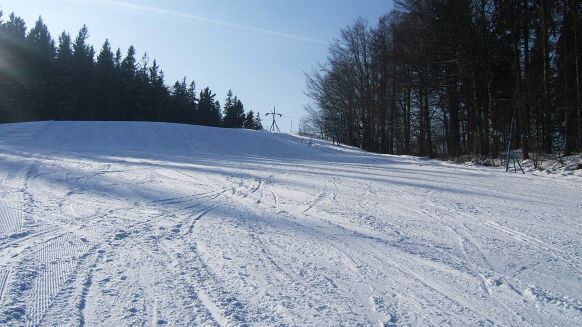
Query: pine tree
[
  {"x": 14, "y": 29},
  {"x": 14, "y": 95},
  {"x": 216, "y": 114},
  {"x": 41, "y": 60},
  {"x": 192, "y": 104},
  {"x": 118, "y": 60},
  {"x": 104, "y": 83},
  {"x": 64, "y": 79},
  {"x": 228, "y": 117},
  {"x": 128, "y": 98},
  {"x": 234, "y": 113},
  {"x": 257, "y": 122},
  {"x": 144, "y": 107},
  {"x": 67, "y": 83},
  {"x": 180, "y": 111},
  {"x": 249, "y": 122},
  {"x": 208, "y": 109},
  {"x": 238, "y": 112},
  {"x": 159, "y": 92},
  {"x": 83, "y": 55}
]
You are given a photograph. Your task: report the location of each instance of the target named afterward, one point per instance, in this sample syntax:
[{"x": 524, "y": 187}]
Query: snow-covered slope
[{"x": 121, "y": 224}]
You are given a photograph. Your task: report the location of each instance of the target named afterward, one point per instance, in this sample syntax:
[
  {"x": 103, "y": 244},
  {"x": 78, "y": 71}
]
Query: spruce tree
[
  {"x": 180, "y": 108},
  {"x": 216, "y": 114},
  {"x": 249, "y": 120},
  {"x": 238, "y": 114},
  {"x": 228, "y": 118},
  {"x": 192, "y": 104},
  {"x": 234, "y": 113},
  {"x": 144, "y": 109},
  {"x": 65, "y": 82},
  {"x": 14, "y": 104},
  {"x": 208, "y": 109},
  {"x": 118, "y": 60},
  {"x": 83, "y": 75},
  {"x": 128, "y": 98},
  {"x": 64, "y": 79},
  {"x": 40, "y": 64},
  {"x": 159, "y": 92},
  {"x": 257, "y": 122},
  {"x": 104, "y": 86}
]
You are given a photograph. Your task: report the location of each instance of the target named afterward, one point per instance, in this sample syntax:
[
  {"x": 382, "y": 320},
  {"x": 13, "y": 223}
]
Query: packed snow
[{"x": 123, "y": 224}]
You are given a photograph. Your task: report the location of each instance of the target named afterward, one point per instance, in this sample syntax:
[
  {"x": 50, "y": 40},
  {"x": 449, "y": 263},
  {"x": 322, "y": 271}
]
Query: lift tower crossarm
[{"x": 274, "y": 126}]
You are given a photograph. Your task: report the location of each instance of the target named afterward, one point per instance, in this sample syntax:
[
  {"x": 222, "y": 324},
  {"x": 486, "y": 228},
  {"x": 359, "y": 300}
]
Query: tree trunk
[
  {"x": 407, "y": 105},
  {"x": 546, "y": 107},
  {"x": 574, "y": 11}
]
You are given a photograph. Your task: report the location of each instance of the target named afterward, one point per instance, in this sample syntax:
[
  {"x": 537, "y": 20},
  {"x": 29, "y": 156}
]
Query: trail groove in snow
[{"x": 122, "y": 223}]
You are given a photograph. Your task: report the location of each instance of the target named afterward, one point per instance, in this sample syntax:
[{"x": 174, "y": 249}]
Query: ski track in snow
[{"x": 123, "y": 224}]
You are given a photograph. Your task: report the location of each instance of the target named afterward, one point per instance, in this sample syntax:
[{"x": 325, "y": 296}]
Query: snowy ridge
[
  {"x": 121, "y": 138},
  {"x": 127, "y": 223}
]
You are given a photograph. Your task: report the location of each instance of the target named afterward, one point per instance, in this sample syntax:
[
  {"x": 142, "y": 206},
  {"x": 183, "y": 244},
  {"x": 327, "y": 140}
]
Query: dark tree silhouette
[
  {"x": 447, "y": 78},
  {"x": 208, "y": 109},
  {"x": 42, "y": 81}
]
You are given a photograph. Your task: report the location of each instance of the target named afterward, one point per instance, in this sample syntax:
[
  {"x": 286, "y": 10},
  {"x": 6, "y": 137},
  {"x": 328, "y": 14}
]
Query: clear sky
[{"x": 258, "y": 48}]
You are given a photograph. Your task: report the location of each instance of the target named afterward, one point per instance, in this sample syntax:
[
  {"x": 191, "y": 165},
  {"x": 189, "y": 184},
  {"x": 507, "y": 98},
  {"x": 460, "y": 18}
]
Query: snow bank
[{"x": 133, "y": 223}]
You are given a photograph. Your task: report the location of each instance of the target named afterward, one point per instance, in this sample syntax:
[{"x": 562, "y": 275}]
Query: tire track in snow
[
  {"x": 86, "y": 287},
  {"x": 343, "y": 251},
  {"x": 154, "y": 276},
  {"x": 32, "y": 293},
  {"x": 361, "y": 266},
  {"x": 463, "y": 238},
  {"x": 313, "y": 202},
  {"x": 184, "y": 199},
  {"x": 225, "y": 308},
  {"x": 449, "y": 293},
  {"x": 4, "y": 277},
  {"x": 474, "y": 266},
  {"x": 372, "y": 215},
  {"x": 275, "y": 196},
  {"x": 437, "y": 286},
  {"x": 473, "y": 306},
  {"x": 58, "y": 259},
  {"x": 535, "y": 243},
  {"x": 28, "y": 239},
  {"x": 156, "y": 280},
  {"x": 257, "y": 188},
  {"x": 349, "y": 249},
  {"x": 191, "y": 218},
  {"x": 314, "y": 234},
  {"x": 198, "y": 215},
  {"x": 199, "y": 294},
  {"x": 11, "y": 217}
]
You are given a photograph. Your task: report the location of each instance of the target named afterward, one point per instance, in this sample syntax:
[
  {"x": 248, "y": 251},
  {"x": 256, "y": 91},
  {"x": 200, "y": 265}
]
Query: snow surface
[{"x": 122, "y": 224}]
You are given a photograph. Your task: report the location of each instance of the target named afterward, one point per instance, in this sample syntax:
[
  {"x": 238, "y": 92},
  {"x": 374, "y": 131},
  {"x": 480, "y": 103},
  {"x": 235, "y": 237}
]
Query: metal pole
[
  {"x": 519, "y": 164},
  {"x": 509, "y": 145}
]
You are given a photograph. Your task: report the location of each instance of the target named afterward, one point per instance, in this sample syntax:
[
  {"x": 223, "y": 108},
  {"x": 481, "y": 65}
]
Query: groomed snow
[{"x": 123, "y": 224}]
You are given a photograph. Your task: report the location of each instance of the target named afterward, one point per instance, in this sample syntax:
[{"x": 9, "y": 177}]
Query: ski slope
[{"x": 132, "y": 224}]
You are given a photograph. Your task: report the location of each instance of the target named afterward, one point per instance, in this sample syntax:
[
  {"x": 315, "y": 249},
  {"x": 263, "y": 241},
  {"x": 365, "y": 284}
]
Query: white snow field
[{"x": 133, "y": 224}]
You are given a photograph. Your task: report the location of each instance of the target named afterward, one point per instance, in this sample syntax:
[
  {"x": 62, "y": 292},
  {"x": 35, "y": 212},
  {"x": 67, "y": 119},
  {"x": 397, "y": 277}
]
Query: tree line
[
  {"x": 41, "y": 79},
  {"x": 448, "y": 78}
]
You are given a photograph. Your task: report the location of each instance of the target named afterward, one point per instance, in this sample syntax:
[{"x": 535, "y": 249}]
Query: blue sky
[{"x": 258, "y": 48}]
